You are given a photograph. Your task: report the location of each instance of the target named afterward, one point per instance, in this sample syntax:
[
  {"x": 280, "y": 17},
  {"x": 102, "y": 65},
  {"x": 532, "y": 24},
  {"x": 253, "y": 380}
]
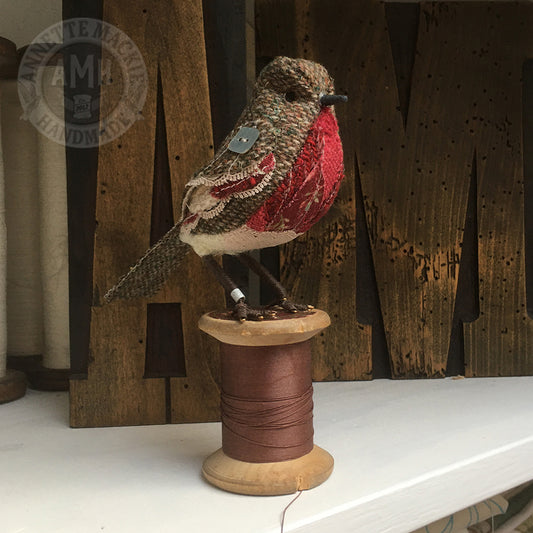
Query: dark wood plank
[
  {"x": 368, "y": 307},
  {"x": 165, "y": 354},
  {"x": 500, "y": 341},
  {"x": 164, "y": 342},
  {"x": 115, "y": 392},
  {"x": 275, "y": 27},
  {"x": 227, "y": 64},
  {"x": 413, "y": 178},
  {"x": 402, "y": 25},
  {"x": 527, "y": 129},
  {"x": 162, "y": 202},
  {"x": 224, "y": 26},
  {"x": 467, "y": 298},
  {"x": 464, "y": 98},
  {"x": 189, "y": 136},
  {"x": 319, "y": 267},
  {"x": 170, "y": 37}
]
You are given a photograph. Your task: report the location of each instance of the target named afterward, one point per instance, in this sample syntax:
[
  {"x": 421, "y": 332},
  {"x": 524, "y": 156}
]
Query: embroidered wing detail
[{"x": 206, "y": 197}]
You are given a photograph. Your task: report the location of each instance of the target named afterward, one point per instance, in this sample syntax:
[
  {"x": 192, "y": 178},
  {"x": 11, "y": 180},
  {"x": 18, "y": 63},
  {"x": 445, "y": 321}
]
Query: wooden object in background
[
  {"x": 12, "y": 385},
  {"x": 138, "y": 192},
  {"x": 39, "y": 302},
  {"x": 23, "y": 289},
  {"x": 500, "y": 340},
  {"x": 38, "y": 376},
  {"x": 432, "y": 137},
  {"x": 12, "y": 382},
  {"x": 37, "y": 295},
  {"x": 270, "y": 337},
  {"x": 53, "y": 228},
  {"x": 231, "y": 77},
  {"x": 319, "y": 267},
  {"x": 426, "y": 249}
]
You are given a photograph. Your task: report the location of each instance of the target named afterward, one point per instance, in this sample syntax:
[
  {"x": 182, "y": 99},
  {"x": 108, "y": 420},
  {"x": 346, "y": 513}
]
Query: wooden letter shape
[{"x": 170, "y": 37}]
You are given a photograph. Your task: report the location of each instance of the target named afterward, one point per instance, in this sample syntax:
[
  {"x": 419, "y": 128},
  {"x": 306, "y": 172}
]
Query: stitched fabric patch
[
  {"x": 310, "y": 186},
  {"x": 246, "y": 184}
]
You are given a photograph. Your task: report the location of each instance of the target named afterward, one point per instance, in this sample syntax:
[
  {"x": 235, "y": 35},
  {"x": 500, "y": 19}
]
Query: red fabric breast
[{"x": 310, "y": 186}]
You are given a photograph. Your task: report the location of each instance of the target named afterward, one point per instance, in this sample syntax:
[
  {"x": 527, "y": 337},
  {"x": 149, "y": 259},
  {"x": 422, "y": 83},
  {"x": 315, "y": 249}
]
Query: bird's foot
[
  {"x": 292, "y": 307},
  {"x": 243, "y": 311}
]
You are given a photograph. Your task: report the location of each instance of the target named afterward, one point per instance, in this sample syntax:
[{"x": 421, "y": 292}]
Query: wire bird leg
[
  {"x": 242, "y": 310},
  {"x": 284, "y": 302}
]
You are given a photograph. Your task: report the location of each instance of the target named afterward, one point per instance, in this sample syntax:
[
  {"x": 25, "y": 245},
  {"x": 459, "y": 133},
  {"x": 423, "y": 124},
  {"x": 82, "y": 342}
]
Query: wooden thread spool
[
  {"x": 37, "y": 295},
  {"x": 267, "y": 431}
]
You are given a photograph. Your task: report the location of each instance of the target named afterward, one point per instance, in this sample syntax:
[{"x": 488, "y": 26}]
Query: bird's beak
[{"x": 332, "y": 99}]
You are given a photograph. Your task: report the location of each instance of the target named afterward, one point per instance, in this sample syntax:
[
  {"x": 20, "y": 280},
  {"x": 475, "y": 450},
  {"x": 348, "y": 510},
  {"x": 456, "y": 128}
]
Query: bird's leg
[
  {"x": 242, "y": 310},
  {"x": 280, "y": 290}
]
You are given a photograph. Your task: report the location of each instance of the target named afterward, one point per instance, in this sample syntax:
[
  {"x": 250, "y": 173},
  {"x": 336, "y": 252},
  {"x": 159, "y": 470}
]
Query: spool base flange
[
  {"x": 40, "y": 377},
  {"x": 12, "y": 386},
  {"x": 268, "y": 479}
]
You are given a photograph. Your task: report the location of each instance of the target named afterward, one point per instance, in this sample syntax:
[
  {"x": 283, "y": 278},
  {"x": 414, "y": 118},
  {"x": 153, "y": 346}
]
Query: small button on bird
[{"x": 274, "y": 176}]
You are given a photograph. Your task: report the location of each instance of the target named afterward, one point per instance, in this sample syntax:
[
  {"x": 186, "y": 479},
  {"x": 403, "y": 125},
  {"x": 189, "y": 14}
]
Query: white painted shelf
[{"x": 406, "y": 452}]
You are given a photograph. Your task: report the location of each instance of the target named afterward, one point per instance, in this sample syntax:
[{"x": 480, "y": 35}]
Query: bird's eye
[{"x": 290, "y": 96}]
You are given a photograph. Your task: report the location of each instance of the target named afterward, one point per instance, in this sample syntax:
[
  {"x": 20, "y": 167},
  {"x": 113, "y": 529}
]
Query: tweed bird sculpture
[{"x": 274, "y": 176}]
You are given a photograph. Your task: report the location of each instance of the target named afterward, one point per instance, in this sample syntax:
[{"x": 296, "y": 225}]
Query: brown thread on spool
[{"x": 266, "y": 402}]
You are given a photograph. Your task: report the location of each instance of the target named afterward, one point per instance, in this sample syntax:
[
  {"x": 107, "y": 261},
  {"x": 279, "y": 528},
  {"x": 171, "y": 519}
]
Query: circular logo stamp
[{"x": 82, "y": 82}]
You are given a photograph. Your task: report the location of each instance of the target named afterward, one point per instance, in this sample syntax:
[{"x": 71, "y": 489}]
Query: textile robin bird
[{"x": 274, "y": 176}]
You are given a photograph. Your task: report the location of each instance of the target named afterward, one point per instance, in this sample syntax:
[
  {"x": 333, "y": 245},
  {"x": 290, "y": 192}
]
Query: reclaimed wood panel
[
  {"x": 319, "y": 267},
  {"x": 227, "y": 65},
  {"x": 179, "y": 30},
  {"x": 500, "y": 341},
  {"x": 527, "y": 149},
  {"x": 169, "y": 34},
  {"x": 434, "y": 114}
]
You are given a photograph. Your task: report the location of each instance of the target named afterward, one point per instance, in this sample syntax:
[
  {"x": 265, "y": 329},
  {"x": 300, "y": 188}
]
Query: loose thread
[{"x": 285, "y": 510}]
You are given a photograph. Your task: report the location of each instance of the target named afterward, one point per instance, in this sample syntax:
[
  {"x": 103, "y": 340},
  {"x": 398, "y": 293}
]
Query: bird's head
[
  {"x": 290, "y": 95},
  {"x": 293, "y": 83}
]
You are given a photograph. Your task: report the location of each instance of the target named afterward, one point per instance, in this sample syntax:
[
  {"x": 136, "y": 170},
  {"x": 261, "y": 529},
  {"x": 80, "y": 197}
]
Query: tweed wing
[{"x": 207, "y": 198}]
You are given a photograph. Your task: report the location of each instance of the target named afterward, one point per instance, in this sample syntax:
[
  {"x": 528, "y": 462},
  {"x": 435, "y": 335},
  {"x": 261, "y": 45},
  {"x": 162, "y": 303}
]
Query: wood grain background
[
  {"x": 433, "y": 145},
  {"x": 140, "y": 180},
  {"x": 425, "y": 261}
]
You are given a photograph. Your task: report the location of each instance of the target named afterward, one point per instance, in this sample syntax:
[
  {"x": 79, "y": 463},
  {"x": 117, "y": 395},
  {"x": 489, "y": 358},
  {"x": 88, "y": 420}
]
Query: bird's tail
[{"x": 148, "y": 275}]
